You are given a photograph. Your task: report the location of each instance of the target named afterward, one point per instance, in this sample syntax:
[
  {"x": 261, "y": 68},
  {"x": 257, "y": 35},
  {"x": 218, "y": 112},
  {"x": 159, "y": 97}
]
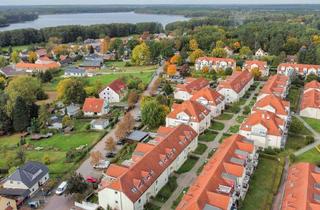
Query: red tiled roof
[
  {"x": 192, "y": 85},
  {"x": 34, "y": 66},
  {"x": 312, "y": 85},
  {"x": 260, "y": 64},
  {"x": 213, "y": 59},
  {"x": 237, "y": 81},
  {"x": 204, "y": 190},
  {"x": 267, "y": 119},
  {"x": 193, "y": 109},
  {"x": 276, "y": 84},
  {"x": 93, "y": 105},
  {"x": 144, "y": 171},
  {"x": 301, "y": 187},
  {"x": 281, "y": 106},
  {"x": 117, "y": 85},
  {"x": 311, "y": 99},
  {"x": 212, "y": 96}
]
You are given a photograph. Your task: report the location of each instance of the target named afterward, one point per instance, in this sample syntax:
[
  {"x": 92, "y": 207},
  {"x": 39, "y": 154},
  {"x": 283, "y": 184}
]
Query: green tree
[
  {"x": 141, "y": 54},
  {"x": 167, "y": 89},
  {"x": 66, "y": 121},
  {"x": 219, "y": 53},
  {"x": 34, "y": 126},
  {"x": 43, "y": 116},
  {"x": 21, "y": 115},
  {"x": 311, "y": 77},
  {"x": 3, "y": 62},
  {"x": 71, "y": 90},
  {"x": 76, "y": 184},
  {"x": 32, "y": 56},
  {"x": 245, "y": 52},
  {"x": 153, "y": 114},
  {"x": 14, "y": 57},
  {"x": 228, "y": 71},
  {"x": 195, "y": 55}
]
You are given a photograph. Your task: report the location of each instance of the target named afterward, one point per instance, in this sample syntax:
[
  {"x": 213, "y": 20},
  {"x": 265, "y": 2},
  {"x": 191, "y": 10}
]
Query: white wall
[
  {"x": 109, "y": 95},
  {"x": 310, "y": 112},
  {"x": 182, "y": 95}
]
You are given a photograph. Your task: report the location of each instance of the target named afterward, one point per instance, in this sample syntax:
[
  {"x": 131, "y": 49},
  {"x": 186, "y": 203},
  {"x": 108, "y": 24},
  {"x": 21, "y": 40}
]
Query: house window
[
  {"x": 139, "y": 201},
  {"x": 116, "y": 192},
  {"x": 116, "y": 201}
]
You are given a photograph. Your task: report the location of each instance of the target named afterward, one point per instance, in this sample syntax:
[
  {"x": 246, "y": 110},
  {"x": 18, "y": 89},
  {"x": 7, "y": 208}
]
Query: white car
[
  {"x": 103, "y": 164},
  {"x": 62, "y": 187}
]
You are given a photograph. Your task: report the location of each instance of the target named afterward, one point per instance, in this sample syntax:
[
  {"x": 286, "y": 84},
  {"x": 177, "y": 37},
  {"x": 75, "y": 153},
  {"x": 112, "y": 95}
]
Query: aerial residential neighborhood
[{"x": 193, "y": 106}]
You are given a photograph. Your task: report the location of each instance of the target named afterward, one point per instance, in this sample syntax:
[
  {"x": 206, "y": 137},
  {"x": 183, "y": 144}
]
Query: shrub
[
  {"x": 46, "y": 160},
  {"x": 309, "y": 140}
]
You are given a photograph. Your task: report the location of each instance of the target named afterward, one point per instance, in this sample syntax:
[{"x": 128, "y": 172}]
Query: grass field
[
  {"x": 225, "y": 116},
  {"x": 314, "y": 123},
  {"x": 311, "y": 156},
  {"x": 217, "y": 125},
  {"x": 208, "y": 136},
  {"x": 55, "y": 148},
  {"x": 261, "y": 184},
  {"x": 187, "y": 165}
]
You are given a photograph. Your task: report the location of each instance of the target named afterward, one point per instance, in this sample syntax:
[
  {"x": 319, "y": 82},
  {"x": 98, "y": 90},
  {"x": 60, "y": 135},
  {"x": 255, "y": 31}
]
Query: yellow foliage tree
[
  {"x": 193, "y": 44},
  {"x": 219, "y": 52},
  {"x": 141, "y": 54},
  {"x": 256, "y": 73},
  {"x": 176, "y": 59},
  {"x": 32, "y": 56},
  {"x": 205, "y": 69},
  {"x": 105, "y": 45},
  {"x": 195, "y": 55},
  {"x": 172, "y": 70}
]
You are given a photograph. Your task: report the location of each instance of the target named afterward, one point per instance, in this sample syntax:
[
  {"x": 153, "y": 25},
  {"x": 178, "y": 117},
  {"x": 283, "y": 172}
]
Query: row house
[
  {"x": 235, "y": 85},
  {"x": 256, "y": 64},
  {"x": 190, "y": 113},
  {"x": 215, "y": 63},
  {"x": 185, "y": 91},
  {"x": 274, "y": 104},
  {"x": 302, "y": 187},
  {"x": 95, "y": 107},
  {"x": 131, "y": 185},
  {"x": 38, "y": 66},
  {"x": 265, "y": 129},
  {"x": 225, "y": 178},
  {"x": 310, "y": 103},
  {"x": 276, "y": 85},
  {"x": 211, "y": 99},
  {"x": 291, "y": 69},
  {"x": 114, "y": 92}
]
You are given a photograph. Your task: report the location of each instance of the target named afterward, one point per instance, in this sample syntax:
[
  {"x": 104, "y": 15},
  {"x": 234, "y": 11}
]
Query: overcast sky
[{"x": 50, "y": 2}]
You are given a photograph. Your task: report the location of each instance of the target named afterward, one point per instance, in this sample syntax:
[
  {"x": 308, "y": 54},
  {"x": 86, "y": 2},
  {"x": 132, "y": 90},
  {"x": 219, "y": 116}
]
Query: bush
[
  {"x": 309, "y": 140},
  {"x": 46, "y": 160},
  {"x": 246, "y": 110}
]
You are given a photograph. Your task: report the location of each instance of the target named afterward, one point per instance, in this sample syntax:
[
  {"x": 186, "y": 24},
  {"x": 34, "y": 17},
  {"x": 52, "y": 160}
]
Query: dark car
[
  {"x": 110, "y": 155},
  {"x": 121, "y": 142}
]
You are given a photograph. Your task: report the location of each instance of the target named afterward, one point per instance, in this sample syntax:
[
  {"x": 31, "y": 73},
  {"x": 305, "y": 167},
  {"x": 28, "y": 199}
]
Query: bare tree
[
  {"x": 95, "y": 157},
  {"x": 110, "y": 144}
]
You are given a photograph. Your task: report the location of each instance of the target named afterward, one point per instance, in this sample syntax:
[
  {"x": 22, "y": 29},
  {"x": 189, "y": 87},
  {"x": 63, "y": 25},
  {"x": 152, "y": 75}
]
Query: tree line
[
  {"x": 7, "y": 17},
  {"x": 72, "y": 33}
]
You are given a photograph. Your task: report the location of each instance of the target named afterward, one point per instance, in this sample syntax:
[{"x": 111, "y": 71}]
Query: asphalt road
[{"x": 56, "y": 202}]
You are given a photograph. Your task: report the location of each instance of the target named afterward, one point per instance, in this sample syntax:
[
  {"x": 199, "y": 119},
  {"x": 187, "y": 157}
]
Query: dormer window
[{"x": 134, "y": 190}]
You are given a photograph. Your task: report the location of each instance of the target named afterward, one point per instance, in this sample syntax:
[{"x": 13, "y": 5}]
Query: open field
[{"x": 314, "y": 123}]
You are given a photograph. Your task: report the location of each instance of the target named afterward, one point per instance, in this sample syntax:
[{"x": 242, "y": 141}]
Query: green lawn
[
  {"x": 293, "y": 97},
  {"x": 314, "y": 123},
  {"x": 261, "y": 185},
  {"x": 217, "y": 125},
  {"x": 234, "y": 129},
  {"x": 166, "y": 191},
  {"x": 208, "y": 136},
  {"x": 297, "y": 127},
  {"x": 240, "y": 119},
  {"x": 225, "y": 116},
  {"x": 177, "y": 201},
  {"x": 295, "y": 142},
  {"x": 311, "y": 156},
  {"x": 201, "y": 148},
  {"x": 224, "y": 136},
  {"x": 187, "y": 165},
  {"x": 55, "y": 148}
]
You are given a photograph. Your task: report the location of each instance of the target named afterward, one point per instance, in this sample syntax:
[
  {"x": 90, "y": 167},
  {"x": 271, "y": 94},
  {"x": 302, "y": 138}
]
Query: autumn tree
[
  {"x": 219, "y": 44},
  {"x": 195, "y": 55},
  {"x": 172, "y": 70},
  {"x": 95, "y": 157},
  {"x": 219, "y": 52},
  {"x": 176, "y": 59},
  {"x": 14, "y": 57},
  {"x": 205, "y": 69},
  {"x": 245, "y": 52},
  {"x": 128, "y": 122},
  {"x": 71, "y": 90},
  {"x": 32, "y": 56},
  {"x": 110, "y": 144},
  {"x": 193, "y": 44},
  {"x": 120, "y": 132},
  {"x": 105, "y": 44},
  {"x": 66, "y": 121},
  {"x": 256, "y": 73},
  {"x": 141, "y": 54},
  {"x": 132, "y": 98}
]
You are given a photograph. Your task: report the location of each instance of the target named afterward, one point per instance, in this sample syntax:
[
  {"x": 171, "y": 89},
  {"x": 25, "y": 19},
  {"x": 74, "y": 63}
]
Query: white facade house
[
  {"x": 215, "y": 63},
  {"x": 260, "y": 53},
  {"x": 28, "y": 177},
  {"x": 256, "y": 64},
  {"x": 131, "y": 185},
  {"x": 75, "y": 72},
  {"x": 190, "y": 113},
  {"x": 235, "y": 86},
  {"x": 95, "y": 106},
  {"x": 291, "y": 69},
  {"x": 211, "y": 99},
  {"x": 192, "y": 85},
  {"x": 310, "y": 103},
  {"x": 99, "y": 124},
  {"x": 265, "y": 129},
  {"x": 277, "y": 85},
  {"x": 114, "y": 92}
]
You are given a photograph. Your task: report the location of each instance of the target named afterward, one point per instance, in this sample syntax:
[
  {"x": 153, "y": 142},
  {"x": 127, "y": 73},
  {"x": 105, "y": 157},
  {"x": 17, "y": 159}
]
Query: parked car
[
  {"x": 121, "y": 142},
  {"x": 110, "y": 155},
  {"x": 91, "y": 179},
  {"x": 61, "y": 188},
  {"x": 103, "y": 164}
]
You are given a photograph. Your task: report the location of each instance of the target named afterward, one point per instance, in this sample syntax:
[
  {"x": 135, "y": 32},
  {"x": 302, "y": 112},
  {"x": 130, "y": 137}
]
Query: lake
[{"x": 93, "y": 18}]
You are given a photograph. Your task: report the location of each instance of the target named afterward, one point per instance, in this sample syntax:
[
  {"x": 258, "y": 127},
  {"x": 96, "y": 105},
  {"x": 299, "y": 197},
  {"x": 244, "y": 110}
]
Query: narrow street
[
  {"x": 56, "y": 202},
  {"x": 186, "y": 179}
]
